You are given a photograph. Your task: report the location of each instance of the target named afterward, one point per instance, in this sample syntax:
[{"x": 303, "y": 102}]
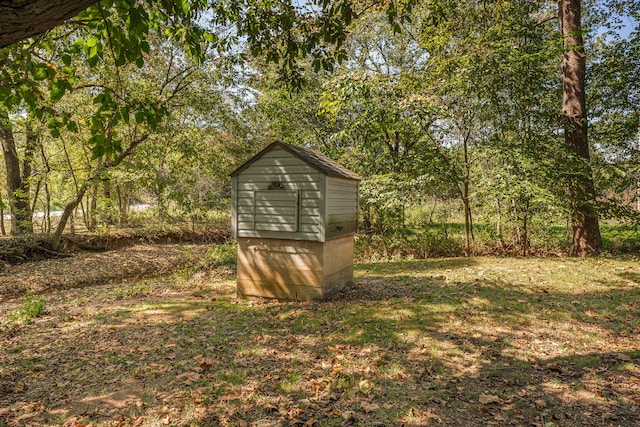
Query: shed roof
[{"x": 313, "y": 158}]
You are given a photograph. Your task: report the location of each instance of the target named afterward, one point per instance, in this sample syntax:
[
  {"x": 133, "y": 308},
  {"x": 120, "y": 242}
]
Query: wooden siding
[
  {"x": 337, "y": 265},
  {"x": 293, "y": 270},
  {"x": 342, "y": 207},
  {"x": 272, "y": 213},
  {"x": 276, "y": 268}
]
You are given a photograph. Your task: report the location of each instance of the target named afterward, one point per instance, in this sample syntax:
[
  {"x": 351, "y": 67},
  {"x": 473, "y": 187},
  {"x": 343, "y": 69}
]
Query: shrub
[{"x": 32, "y": 307}]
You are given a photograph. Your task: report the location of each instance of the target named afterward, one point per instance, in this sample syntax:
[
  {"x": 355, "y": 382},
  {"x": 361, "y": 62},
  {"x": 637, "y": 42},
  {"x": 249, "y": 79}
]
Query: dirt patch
[{"x": 87, "y": 268}]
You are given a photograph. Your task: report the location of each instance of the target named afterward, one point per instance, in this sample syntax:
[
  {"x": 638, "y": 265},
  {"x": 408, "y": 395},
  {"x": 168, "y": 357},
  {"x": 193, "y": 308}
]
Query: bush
[
  {"x": 32, "y": 307},
  {"x": 407, "y": 244}
]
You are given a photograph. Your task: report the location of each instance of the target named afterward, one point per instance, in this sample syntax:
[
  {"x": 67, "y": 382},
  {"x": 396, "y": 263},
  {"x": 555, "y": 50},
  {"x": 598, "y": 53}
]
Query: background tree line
[{"x": 452, "y": 112}]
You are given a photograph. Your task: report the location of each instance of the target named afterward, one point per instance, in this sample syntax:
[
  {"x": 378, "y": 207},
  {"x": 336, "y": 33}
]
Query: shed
[{"x": 294, "y": 213}]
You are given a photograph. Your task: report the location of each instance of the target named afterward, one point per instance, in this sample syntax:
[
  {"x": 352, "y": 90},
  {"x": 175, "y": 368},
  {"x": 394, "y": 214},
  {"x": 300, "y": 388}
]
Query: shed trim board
[{"x": 234, "y": 206}]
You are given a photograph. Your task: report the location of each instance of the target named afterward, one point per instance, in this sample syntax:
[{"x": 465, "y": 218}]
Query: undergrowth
[{"x": 32, "y": 307}]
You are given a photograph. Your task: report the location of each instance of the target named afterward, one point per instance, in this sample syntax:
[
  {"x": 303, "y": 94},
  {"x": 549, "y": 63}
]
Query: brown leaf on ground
[
  {"x": 369, "y": 407},
  {"x": 487, "y": 399},
  {"x": 95, "y": 268},
  {"x": 540, "y": 403}
]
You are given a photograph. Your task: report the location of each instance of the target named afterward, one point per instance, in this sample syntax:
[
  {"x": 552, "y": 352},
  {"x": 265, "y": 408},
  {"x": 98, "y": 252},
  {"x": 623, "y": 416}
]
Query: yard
[{"x": 456, "y": 341}]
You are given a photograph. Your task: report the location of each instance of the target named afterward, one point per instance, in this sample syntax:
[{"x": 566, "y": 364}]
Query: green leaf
[
  {"x": 72, "y": 126},
  {"x": 91, "y": 41},
  {"x": 40, "y": 72}
]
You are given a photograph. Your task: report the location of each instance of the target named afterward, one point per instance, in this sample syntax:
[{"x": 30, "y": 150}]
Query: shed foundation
[{"x": 293, "y": 269}]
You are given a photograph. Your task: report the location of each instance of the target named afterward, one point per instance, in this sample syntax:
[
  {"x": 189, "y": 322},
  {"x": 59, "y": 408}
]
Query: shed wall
[
  {"x": 292, "y": 209},
  {"x": 341, "y": 207}
]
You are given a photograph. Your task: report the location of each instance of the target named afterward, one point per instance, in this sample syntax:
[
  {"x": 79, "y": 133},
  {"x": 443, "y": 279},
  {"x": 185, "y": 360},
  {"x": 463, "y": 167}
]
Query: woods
[{"x": 452, "y": 110}]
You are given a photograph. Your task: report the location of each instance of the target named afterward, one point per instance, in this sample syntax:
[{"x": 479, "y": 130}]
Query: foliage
[
  {"x": 456, "y": 103},
  {"x": 31, "y": 308}
]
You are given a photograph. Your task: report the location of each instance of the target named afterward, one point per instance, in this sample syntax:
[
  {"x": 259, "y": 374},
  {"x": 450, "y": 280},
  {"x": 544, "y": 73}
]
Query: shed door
[{"x": 276, "y": 210}]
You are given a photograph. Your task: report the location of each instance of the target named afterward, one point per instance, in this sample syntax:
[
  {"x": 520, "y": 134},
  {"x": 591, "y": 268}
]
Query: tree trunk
[
  {"x": 92, "y": 208},
  {"x": 66, "y": 214},
  {"x": 525, "y": 229},
  {"x": 17, "y": 187},
  {"x": 122, "y": 205},
  {"x": 20, "y": 19},
  {"x": 468, "y": 219},
  {"x": 584, "y": 216},
  {"x": 499, "y": 223},
  {"x": 47, "y": 209},
  {"x": 2, "y": 229},
  {"x": 46, "y": 223}
]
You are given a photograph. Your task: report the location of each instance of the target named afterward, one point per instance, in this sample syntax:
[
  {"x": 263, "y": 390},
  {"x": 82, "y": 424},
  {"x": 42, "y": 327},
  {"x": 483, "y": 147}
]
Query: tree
[
  {"x": 584, "y": 215},
  {"x": 18, "y": 174},
  {"x": 614, "y": 99}
]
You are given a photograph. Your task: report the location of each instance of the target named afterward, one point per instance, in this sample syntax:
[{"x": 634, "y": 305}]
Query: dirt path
[{"x": 95, "y": 268}]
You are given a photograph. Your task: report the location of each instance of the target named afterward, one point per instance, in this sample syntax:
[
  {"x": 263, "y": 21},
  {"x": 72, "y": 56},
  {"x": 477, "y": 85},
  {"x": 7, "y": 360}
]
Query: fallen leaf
[
  {"x": 486, "y": 399},
  {"x": 499, "y": 417},
  {"x": 204, "y": 362},
  {"x": 540, "y": 403},
  {"x": 365, "y": 386},
  {"x": 553, "y": 367},
  {"x": 623, "y": 357},
  {"x": 269, "y": 407},
  {"x": 348, "y": 416},
  {"x": 591, "y": 313},
  {"x": 369, "y": 407}
]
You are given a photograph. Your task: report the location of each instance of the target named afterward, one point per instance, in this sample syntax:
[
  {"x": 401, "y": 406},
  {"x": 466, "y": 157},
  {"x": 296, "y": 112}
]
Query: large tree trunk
[
  {"x": 21, "y": 19},
  {"x": 17, "y": 187},
  {"x": 584, "y": 216}
]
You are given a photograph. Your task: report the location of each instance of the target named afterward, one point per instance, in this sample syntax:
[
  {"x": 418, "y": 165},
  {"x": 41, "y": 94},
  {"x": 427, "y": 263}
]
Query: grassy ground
[{"x": 464, "y": 342}]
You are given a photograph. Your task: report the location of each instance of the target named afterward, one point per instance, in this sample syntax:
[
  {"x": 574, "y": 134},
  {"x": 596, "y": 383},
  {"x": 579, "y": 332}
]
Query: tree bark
[
  {"x": 584, "y": 216},
  {"x": 21, "y": 19},
  {"x": 93, "y": 207},
  {"x": 18, "y": 189},
  {"x": 56, "y": 239}
]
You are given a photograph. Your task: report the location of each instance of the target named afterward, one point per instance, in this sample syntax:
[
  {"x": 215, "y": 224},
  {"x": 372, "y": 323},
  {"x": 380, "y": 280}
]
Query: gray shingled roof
[{"x": 315, "y": 159}]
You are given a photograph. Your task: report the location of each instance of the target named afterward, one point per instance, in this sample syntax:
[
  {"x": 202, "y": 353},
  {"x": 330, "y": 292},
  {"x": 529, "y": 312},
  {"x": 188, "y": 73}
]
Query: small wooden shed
[{"x": 294, "y": 214}]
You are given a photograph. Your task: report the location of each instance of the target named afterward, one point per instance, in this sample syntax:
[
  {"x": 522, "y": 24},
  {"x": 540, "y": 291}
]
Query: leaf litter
[{"x": 413, "y": 344}]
